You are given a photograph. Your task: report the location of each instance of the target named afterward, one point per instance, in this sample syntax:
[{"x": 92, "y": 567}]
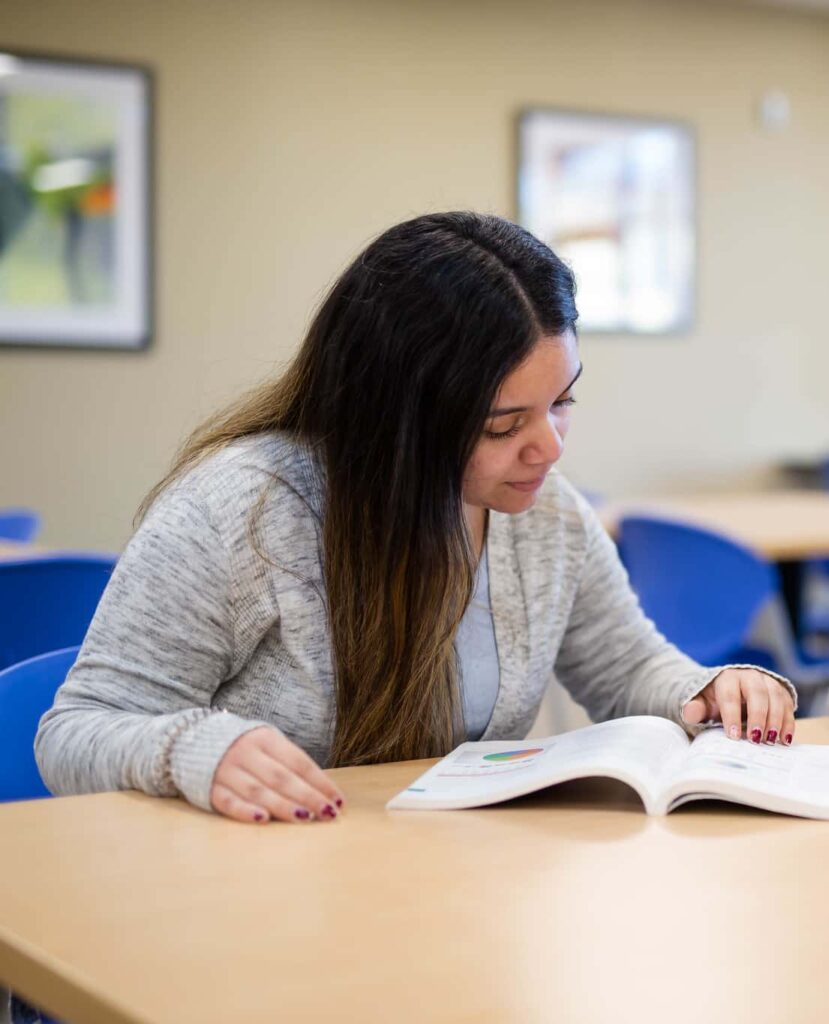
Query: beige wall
[{"x": 288, "y": 133}]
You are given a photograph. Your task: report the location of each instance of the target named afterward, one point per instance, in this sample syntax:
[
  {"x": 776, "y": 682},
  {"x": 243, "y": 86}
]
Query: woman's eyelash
[{"x": 498, "y": 435}]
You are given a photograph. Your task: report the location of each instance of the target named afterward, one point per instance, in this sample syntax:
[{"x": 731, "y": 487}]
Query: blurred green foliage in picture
[{"x": 57, "y": 201}]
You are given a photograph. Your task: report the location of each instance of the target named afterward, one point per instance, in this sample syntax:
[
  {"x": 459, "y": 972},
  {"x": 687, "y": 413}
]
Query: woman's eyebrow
[{"x": 524, "y": 408}]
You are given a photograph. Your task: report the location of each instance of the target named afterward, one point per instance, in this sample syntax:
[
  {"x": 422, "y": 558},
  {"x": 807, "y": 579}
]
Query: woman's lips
[{"x": 528, "y": 485}]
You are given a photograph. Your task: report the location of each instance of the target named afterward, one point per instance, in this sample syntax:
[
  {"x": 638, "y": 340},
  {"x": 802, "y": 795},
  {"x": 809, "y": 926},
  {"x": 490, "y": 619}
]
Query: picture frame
[
  {"x": 614, "y": 196},
  {"x": 75, "y": 203}
]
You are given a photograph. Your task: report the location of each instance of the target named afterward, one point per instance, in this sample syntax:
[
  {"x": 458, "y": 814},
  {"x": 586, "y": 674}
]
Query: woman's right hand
[{"x": 264, "y": 775}]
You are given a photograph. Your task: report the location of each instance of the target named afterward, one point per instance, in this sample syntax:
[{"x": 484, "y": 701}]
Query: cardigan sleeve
[
  {"x": 135, "y": 710},
  {"x": 612, "y": 659}
]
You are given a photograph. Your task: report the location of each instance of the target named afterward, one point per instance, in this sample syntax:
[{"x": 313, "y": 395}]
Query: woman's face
[{"x": 524, "y": 434}]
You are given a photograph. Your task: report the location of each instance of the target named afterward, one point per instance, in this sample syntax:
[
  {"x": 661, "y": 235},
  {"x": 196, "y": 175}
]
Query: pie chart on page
[{"x": 514, "y": 755}]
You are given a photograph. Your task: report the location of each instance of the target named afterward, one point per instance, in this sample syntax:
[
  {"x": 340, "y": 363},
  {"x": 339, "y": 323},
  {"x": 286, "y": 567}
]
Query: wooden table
[
  {"x": 568, "y": 906},
  {"x": 9, "y": 550},
  {"x": 782, "y": 525}
]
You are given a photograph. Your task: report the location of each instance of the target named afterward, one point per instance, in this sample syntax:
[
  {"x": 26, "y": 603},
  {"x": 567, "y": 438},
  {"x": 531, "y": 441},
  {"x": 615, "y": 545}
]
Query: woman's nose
[{"x": 548, "y": 444}]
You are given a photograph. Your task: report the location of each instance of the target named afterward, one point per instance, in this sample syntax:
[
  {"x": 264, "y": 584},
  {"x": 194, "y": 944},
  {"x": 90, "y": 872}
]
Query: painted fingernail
[
  {"x": 338, "y": 802},
  {"x": 756, "y": 735},
  {"x": 258, "y": 816},
  {"x": 329, "y": 810},
  {"x": 300, "y": 812},
  {"x": 788, "y": 739},
  {"x": 734, "y": 732},
  {"x": 772, "y": 736}
]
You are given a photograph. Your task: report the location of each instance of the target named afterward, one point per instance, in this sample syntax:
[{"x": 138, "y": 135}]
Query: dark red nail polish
[
  {"x": 329, "y": 810},
  {"x": 259, "y": 816},
  {"x": 338, "y": 802},
  {"x": 755, "y": 735},
  {"x": 300, "y": 812},
  {"x": 789, "y": 738},
  {"x": 772, "y": 735}
]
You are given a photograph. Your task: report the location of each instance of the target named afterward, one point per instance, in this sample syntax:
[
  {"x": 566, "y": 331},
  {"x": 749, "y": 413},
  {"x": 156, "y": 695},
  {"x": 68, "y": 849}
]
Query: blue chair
[
  {"x": 19, "y": 524},
  {"x": 47, "y": 603},
  {"x": 22, "y": 1013},
  {"x": 716, "y": 600},
  {"x": 27, "y": 691},
  {"x": 815, "y": 614}
]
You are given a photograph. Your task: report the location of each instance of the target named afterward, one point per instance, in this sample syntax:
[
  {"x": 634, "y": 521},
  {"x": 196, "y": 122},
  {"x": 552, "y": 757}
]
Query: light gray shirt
[
  {"x": 478, "y": 656},
  {"x": 197, "y": 639}
]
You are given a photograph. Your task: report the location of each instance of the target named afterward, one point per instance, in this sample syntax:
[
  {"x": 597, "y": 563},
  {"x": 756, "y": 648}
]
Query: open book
[{"x": 652, "y": 755}]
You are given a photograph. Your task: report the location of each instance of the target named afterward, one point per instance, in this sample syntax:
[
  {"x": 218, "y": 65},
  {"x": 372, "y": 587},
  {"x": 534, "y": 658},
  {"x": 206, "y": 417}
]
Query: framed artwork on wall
[
  {"x": 75, "y": 203},
  {"x": 614, "y": 197}
]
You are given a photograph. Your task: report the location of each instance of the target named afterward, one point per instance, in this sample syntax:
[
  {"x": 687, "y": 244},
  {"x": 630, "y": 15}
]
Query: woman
[{"x": 371, "y": 559}]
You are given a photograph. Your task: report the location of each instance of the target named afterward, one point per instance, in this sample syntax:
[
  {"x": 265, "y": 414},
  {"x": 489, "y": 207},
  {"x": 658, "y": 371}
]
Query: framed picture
[
  {"x": 75, "y": 224},
  {"x": 614, "y": 197}
]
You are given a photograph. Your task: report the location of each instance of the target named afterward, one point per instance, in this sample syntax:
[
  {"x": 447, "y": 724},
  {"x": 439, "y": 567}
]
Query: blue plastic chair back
[
  {"x": 47, "y": 603},
  {"x": 701, "y": 589},
  {"x": 27, "y": 691},
  {"x": 20, "y": 524},
  {"x": 818, "y": 622}
]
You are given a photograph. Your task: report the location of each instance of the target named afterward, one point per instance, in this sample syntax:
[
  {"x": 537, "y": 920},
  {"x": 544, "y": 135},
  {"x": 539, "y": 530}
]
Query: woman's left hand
[{"x": 745, "y": 694}]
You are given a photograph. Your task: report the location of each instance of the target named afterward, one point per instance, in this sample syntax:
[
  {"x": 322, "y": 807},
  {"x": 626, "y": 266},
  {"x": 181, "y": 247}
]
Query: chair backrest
[
  {"x": 702, "y": 590},
  {"x": 21, "y": 524},
  {"x": 26, "y": 692},
  {"x": 47, "y": 603}
]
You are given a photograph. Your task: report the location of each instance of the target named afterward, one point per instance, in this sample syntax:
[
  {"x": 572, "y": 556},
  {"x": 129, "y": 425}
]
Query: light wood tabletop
[
  {"x": 567, "y": 906},
  {"x": 9, "y": 550},
  {"x": 779, "y": 524}
]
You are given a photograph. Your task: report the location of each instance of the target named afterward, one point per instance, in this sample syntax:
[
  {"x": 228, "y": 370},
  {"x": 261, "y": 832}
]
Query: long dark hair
[{"x": 393, "y": 384}]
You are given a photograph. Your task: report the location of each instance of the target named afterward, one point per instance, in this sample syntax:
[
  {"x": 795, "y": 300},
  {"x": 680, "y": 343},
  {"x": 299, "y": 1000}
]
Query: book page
[
  {"x": 638, "y": 750},
  {"x": 644, "y": 747},
  {"x": 717, "y": 766}
]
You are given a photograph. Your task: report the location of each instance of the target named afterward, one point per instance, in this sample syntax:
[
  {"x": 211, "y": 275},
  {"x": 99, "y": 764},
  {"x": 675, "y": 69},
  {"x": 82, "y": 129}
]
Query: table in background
[
  {"x": 10, "y": 551},
  {"x": 570, "y": 905},
  {"x": 787, "y": 527},
  {"x": 781, "y": 525}
]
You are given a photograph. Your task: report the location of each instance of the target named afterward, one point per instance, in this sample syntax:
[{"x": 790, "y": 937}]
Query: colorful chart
[{"x": 514, "y": 755}]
